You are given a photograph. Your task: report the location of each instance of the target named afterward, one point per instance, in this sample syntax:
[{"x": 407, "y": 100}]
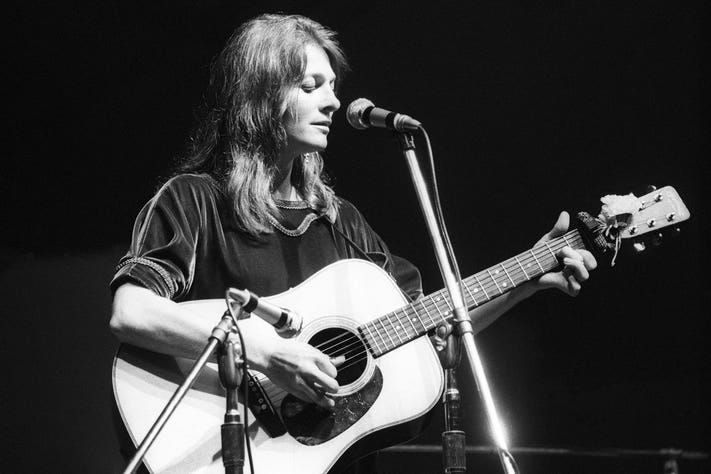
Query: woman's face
[{"x": 308, "y": 120}]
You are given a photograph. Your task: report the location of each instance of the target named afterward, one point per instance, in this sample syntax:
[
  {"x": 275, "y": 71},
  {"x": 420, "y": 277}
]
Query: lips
[{"x": 325, "y": 125}]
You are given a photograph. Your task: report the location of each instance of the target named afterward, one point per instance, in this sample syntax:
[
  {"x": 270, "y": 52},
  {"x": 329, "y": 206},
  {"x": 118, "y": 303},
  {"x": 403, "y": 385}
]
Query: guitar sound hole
[{"x": 335, "y": 342}]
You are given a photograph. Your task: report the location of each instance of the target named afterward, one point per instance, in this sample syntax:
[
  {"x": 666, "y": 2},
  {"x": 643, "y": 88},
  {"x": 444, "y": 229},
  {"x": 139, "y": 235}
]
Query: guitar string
[
  {"x": 550, "y": 247},
  {"x": 351, "y": 340},
  {"x": 357, "y": 358},
  {"x": 513, "y": 275}
]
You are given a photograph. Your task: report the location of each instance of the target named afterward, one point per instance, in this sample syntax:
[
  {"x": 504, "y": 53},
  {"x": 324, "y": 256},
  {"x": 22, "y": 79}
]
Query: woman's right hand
[{"x": 298, "y": 368}]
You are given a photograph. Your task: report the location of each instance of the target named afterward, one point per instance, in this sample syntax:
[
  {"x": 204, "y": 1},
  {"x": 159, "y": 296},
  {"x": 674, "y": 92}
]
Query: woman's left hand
[{"x": 577, "y": 263}]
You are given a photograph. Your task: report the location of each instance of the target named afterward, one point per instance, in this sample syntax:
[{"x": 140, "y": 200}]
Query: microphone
[
  {"x": 362, "y": 114},
  {"x": 286, "y": 322}
]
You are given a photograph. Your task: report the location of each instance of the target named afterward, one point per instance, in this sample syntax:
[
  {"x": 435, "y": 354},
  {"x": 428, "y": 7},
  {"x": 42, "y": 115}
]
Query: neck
[{"x": 284, "y": 189}]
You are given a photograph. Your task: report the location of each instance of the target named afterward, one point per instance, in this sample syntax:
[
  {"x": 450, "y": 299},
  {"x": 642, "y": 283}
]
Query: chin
[{"x": 319, "y": 145}]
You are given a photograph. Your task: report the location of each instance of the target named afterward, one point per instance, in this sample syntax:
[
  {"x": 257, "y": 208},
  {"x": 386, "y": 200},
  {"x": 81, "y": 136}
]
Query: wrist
[
  {"x": 256, "y": 352},
  {"x": 524, "y": 291}
]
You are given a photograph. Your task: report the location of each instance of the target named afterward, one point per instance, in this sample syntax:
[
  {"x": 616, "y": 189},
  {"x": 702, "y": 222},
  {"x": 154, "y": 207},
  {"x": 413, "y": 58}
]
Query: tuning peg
[{"x": 639, "y": 247}]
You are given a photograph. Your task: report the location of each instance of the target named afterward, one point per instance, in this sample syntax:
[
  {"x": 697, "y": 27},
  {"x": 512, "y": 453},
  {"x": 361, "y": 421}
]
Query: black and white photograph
[{"x": 356, "y": 237}]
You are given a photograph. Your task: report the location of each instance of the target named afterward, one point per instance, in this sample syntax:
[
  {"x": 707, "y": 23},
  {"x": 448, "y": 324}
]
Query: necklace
[
  {"x": 286, "y": 204},
  {"x": 293, "y": 232}
]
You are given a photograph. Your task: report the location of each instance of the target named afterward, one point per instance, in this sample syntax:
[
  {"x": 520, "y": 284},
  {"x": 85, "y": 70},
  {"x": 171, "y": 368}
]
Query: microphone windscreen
[{"x": 354, "y": 113}]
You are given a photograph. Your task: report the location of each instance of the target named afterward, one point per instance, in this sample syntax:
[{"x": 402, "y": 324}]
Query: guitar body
[{"x": 379, "y": 399}]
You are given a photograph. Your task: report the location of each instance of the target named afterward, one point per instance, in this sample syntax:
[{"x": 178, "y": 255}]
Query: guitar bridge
[{"x": 261, "y": 407}]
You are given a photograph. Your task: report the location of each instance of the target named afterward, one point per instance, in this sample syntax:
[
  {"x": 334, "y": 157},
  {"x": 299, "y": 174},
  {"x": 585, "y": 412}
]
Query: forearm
[
  {"x": 486, "y": 314},
  {"x": 144, "y": 319}
]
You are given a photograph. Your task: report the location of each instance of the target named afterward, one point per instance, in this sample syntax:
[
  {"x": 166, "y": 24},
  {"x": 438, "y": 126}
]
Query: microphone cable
[{"x": 245, "y": 384}]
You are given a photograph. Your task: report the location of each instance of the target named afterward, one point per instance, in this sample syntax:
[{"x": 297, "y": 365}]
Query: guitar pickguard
[{"x": 311, "y": 424}]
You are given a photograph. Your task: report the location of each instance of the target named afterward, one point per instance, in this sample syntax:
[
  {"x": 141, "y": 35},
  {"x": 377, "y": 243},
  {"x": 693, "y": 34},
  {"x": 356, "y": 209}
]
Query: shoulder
[
  {"x": 348, "y": 214},
  {"x": 185, "y": 195},
  {"x": 354, "y": 224},
  {"x": 190, "y": 182},
  {"x": 187, "y": 188}
]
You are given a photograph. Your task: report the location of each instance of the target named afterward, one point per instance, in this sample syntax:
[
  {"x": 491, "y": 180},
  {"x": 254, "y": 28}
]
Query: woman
[{"x": 250, "y": 209}]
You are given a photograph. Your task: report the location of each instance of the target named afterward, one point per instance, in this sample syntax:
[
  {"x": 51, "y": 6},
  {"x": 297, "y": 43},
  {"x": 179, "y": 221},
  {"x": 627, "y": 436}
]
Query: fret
[
  {"x": 513, "y": 283},
  {"x": 380, "y": 333},
  {"x": 450, "y": 307},
  {"x": 536, "y": 259},
  {"x": 427, "y": 312},
  {"x": 386, "y": 333},
  {"x": 522, "y": 269},
  {"x": 488, "y": 298},
  {"x": 438, "y": 311},
  {"x": 396, "y": 328},
  {"x": 367, "y": 326},
  {"x": 551, "y": 251},
  {"x": 471, "y": 295},
  {"x": 414, "y": 328},
  {"x": 428, "y": 322},
  {"x": 565, "y": 238},
  {"x": 422, "y": 322},
  {"x": 495, "y": 283}
]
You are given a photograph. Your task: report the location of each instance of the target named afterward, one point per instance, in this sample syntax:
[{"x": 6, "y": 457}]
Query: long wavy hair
[{"x": 240, "y": 127}]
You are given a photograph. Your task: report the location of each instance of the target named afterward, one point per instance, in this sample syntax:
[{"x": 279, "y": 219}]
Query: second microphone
[{"x": 286, "y": 322}]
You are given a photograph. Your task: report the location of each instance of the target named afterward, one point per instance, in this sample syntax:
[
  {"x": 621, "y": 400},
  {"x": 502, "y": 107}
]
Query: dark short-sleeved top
[{"x": 186, "y": 245}]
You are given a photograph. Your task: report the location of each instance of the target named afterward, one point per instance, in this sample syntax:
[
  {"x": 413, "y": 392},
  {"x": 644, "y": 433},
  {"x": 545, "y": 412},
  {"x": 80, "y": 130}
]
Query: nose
[{"x": 331, "y": 102}]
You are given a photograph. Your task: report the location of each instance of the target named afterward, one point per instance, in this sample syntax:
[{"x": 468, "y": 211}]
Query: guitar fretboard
[{"x": 392, "y": 330}]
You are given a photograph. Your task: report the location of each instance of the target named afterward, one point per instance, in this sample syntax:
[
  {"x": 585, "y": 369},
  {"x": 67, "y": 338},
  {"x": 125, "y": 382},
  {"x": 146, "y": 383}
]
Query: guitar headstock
[
  {"x": 659, "y": 209},
  {"x": 634, "y": 218}
]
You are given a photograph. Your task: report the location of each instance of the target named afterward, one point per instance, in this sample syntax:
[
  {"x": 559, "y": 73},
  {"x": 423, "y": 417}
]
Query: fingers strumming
[
  {"x": 327, "y": 365},
  {"x": 324, "y": 383},
  {"x": 320, "y": 396},
  {"x": 338, "y": 361}
]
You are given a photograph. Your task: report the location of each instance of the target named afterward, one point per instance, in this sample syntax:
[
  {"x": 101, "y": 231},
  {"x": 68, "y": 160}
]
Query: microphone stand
[
  {"x": 232, "y": 429},
  {"x": 454, "y": 457},
  {"x": 218, "y": 336},
  {"x": 462, "y": 321}
]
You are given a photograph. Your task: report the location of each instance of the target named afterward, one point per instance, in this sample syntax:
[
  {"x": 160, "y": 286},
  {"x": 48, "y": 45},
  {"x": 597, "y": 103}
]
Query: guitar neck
[{"x": 392, "y": 330}]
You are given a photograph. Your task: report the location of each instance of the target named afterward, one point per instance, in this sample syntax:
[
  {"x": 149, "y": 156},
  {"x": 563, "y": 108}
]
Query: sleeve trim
[{"x": 170, "y": 284}]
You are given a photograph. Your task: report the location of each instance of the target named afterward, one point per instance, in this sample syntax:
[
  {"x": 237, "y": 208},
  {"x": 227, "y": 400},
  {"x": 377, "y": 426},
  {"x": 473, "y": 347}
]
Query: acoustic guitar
[{"x": 391, "y": 378}]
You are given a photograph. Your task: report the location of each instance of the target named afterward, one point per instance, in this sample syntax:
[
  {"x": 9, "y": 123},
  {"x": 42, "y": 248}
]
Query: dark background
[{"x": 531, "y": 110}]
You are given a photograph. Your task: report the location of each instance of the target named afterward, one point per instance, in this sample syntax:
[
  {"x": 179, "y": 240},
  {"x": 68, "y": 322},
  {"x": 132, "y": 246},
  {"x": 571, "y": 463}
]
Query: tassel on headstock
[{"x": 630, "y": 217}]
